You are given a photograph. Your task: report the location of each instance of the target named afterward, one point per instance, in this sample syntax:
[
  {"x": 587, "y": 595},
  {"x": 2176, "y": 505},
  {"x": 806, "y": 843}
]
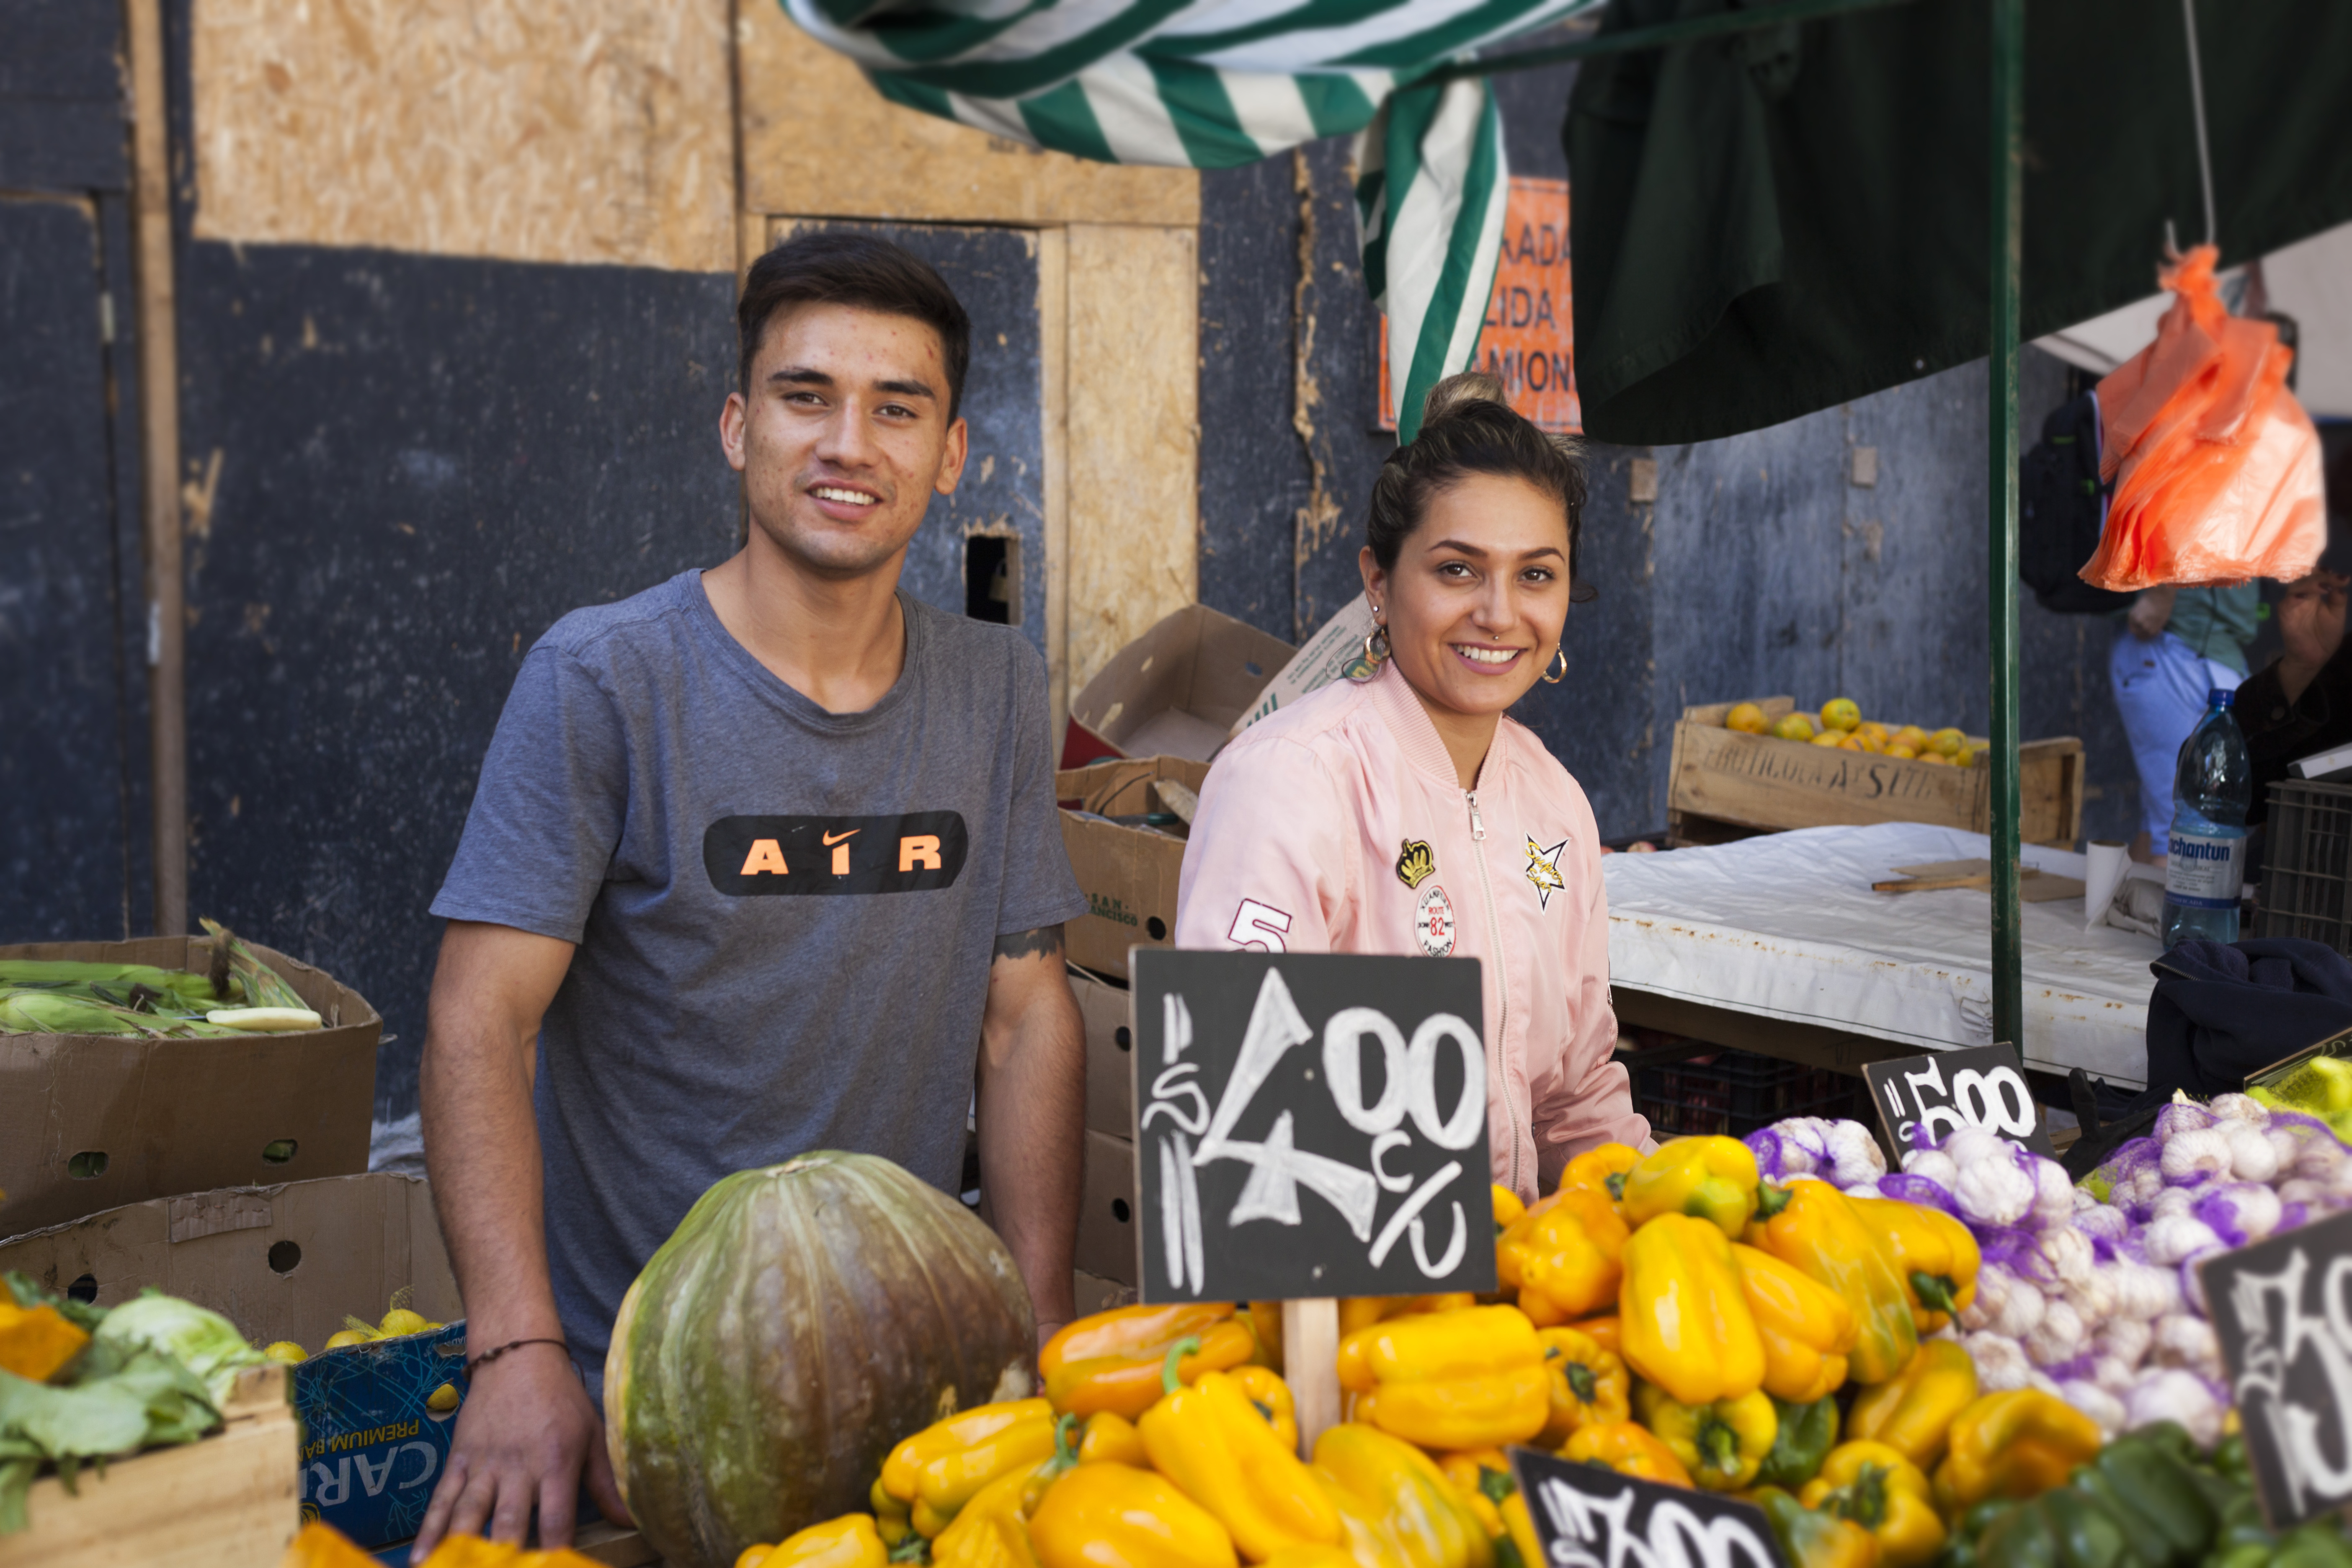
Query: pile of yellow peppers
[{"x": 1668, "y": 1316}]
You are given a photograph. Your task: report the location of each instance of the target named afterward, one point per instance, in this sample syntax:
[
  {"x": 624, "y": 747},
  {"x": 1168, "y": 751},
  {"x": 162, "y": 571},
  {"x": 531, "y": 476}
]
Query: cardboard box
[
  {"x": 1336, "y": 650},
  {"x": 1106, "y": 1227},
  {"x": 290, "y": 1263},
  {"x": 1726, "y": 784},
  {"x": 1174, "y": 691},
  {"x": 1129, "y": 874},
  {"x": 226, "y": 1501},
  {"x": 1110, "y": 1050},
  {"x": 94, "y": 1122}
]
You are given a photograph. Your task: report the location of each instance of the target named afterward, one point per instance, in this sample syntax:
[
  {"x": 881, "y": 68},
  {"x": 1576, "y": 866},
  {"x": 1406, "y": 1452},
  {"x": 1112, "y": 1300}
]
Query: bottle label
[{"x": 2205, "y": 873}]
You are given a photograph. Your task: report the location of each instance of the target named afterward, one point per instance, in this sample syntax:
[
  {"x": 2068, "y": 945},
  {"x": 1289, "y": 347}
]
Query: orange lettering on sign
[
  {"x": 766, "y": 855},
  {"x": 1528, "y": 342},
  {"x": 919, "y": 849}
]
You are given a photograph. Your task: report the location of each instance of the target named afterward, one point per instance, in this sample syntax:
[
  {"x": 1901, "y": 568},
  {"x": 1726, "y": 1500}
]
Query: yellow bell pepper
[
  {"x": 1934, "y": 1255},
  {"x": 1885, "y": 1493},
  {"x": 938, "y": 1469},
  {"x": 1507, "y": 1207},
  {"x": 1816, "y": 1227},
  {"x": 1485, "y": 1479},
  {"x": 1605, "y": 1331},
  {"x": 36, "y": 1342},
  {"x": 1806, "y": 1328},
  {"x": 1684, "y": 1319},
  {"x": 1313, "y": 1557},
  {"x": 1721, "y": 1444},
  {"x": 1111, "y": 1360},
  {"x": 1912, "y": 1412},
  {"x": 1587, "y": 1387},
  {"x": 1812, "y": 1538},
  {"x": 1363, "y": 1311},
  {"x": 1630, "y": 1449},
  {"x": 893, "y": 1519},
  {"x": 991, "y": 1530},
  {"x": 1563, "y": 1256},
  {"x": 1111, "y": 1438},
  {"x": 1271, "y": 1395},
  {"x": 1265, "y": 1322},
  {"x": 848, "y": 1542},
  {"x": 1113, "y": 1516},
  {"x": 1398, "y": 1507},
  {"x": 1602, "y": 1170},
  {"x": 2019, "y": 1443},
  {"x": 1713, "y": 1179},
  {"x": 1214, "y": 1444},
  {"x": 1467, "y": 1379}
]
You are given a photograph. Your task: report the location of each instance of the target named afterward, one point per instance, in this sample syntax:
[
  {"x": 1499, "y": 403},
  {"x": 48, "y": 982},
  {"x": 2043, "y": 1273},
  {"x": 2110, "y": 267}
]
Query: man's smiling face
[{"x": 843, "y": 436}]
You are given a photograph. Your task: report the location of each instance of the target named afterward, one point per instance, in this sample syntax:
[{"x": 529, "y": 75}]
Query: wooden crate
[
  {"x": 1729, "y": 785},
  {"x": 228, "y": 1502}
]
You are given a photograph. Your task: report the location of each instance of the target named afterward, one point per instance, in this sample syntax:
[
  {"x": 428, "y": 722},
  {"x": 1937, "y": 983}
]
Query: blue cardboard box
[{"x": 372, "y": 1443}]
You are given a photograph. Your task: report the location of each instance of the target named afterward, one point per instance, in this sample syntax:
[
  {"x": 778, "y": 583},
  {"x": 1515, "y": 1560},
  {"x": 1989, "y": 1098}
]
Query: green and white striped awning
[{"x": 1211, "y": 84}]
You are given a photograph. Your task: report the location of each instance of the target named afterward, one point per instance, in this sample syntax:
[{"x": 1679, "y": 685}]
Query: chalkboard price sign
[
  {"x": 1310, "y": 1125},
  {"x": 1938, "y": 1094},
  {"x": 2282, "y": 1311},
  {"x": 1587, "y": 1517}
]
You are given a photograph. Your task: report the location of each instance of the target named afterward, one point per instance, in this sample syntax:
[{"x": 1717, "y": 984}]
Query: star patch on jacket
[
  {"x": 1416, "y": 862},
  {"x": 1543, "y": 871}
]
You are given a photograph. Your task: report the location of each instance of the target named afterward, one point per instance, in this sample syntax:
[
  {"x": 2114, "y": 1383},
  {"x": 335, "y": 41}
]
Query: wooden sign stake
[{"x": 1310, "y": 1361}]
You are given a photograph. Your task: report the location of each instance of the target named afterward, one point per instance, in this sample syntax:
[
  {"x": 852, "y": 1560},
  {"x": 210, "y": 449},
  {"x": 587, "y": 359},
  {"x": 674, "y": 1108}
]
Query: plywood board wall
[
  {"x": 1134, "y": 435},
  {"x": 564, "y": 131},
  {"x": 819, "y": 141}
]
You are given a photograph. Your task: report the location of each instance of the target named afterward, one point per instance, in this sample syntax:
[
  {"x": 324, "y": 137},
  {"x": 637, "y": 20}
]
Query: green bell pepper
[
  {"x": 2152, "y": 1493},
  {"x": 1806, "y": 1436}
]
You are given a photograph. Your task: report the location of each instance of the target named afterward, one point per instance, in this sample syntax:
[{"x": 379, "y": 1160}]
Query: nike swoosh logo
[{"x": 835, "y": 839}]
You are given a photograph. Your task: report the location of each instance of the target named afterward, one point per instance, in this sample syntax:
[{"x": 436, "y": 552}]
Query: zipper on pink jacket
[{"x": 1503, "y": 977}]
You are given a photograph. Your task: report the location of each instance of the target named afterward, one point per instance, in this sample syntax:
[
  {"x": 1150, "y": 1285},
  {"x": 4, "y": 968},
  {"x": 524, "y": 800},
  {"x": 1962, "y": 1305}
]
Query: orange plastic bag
[{"x": 2216, "y": 465}]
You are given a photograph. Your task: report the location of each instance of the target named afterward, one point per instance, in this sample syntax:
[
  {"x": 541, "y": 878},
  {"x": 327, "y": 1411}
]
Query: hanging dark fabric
[{"x": 1781, "y": 221}]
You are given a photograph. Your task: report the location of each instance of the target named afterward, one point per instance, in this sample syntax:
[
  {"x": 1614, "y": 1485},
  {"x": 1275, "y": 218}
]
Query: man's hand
[
  {"x": 2311, "y": 627},
  {"x": 526, "y": 1428},
  {"x": 524, "y": 1434},
  {"x": 1033, "y": 1098},
  {"x": 2151, "y": 612}
]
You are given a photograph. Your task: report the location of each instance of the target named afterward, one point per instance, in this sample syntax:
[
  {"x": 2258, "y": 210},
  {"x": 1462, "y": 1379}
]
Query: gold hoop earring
[
  {"x": 1377, "y": 647},
  {"x": 1560, "y": 658}
]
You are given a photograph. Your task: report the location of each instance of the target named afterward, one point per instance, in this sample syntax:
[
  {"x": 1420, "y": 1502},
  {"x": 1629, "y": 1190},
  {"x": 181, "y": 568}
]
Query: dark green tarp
[{"x": 1776, "y": 223}]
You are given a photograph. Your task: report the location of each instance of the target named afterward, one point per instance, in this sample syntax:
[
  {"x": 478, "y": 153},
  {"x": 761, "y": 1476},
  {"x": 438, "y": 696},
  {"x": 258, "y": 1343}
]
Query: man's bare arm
[
  {"x": 1033, "y": 1095},
  {"x": 526, "y": 1428}
]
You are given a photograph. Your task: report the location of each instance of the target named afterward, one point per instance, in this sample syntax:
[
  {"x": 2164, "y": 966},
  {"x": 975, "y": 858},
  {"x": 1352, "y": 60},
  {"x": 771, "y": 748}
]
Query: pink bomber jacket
[{"x": 1337, "y": 826}]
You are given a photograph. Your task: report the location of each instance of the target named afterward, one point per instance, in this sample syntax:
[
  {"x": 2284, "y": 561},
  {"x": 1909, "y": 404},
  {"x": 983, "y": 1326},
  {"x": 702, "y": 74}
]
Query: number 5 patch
[{"x": 1261, "y": 926}]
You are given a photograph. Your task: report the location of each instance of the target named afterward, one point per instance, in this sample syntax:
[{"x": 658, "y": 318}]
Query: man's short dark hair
[{"x": 834, "y": 268}]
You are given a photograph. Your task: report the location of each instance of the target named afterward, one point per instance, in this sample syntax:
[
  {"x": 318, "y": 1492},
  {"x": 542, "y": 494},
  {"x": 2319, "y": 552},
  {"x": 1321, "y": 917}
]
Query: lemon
[
  {"x": 1939, "y": 759},
  {"x": 1747, "y": 717},
  {"x": 1829, "y": 738},
  {"x": 286, "y": 1350},
  {"x": 1874, "y": 730},
  {"x": 1864, "y": 741},
  {"x": 442, "y": 1400},
  {"x": 1841, "y": 714},
  {"x": 401, "y": 1321},
  {"x": 341, "y": 1338},
  {"x": 1906, "y": 753},
  {"x": 1910, "y": 735},
  {"x": 1945, "y": 742},
  {"x": 1794, "y": 727},
  {"x": 1966, "y": 757}
]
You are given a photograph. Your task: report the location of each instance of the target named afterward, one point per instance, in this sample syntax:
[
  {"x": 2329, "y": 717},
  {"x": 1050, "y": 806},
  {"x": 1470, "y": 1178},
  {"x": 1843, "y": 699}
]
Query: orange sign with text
[{"x": 1528, "y": 341}]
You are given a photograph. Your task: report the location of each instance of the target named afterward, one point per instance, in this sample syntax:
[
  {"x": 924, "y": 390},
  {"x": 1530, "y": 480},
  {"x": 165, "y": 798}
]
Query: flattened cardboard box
[
  {"x": 1110, "y": 1082},
  {"x": 1128, "y": 874},
  {"x": 1175, "y": 691},
  {"x": 291, "y": 1262},
  {"x": 1106, "y": 1227},
  {"x": 151, "y": 1118}
]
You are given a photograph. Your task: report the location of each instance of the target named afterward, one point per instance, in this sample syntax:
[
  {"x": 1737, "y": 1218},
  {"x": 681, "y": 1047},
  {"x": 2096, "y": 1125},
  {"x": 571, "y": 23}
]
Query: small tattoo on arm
[{"x": 1028, "y": 943}]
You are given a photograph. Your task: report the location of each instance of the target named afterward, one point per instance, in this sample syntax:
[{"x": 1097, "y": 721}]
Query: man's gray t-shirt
[{"x": 786, "y": 917}]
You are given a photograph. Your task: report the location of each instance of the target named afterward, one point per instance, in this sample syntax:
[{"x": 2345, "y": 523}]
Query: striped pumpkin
[{"x": 799, "y": 1320}]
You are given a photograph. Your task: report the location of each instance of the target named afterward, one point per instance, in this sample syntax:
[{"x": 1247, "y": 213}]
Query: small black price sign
[
  {"x": 1983, "y": 1086},
  {"x": 2282, "y": 1311},
  {"x": 1588, "y": 1517},
  {"x": 1310, "y": 1125}
]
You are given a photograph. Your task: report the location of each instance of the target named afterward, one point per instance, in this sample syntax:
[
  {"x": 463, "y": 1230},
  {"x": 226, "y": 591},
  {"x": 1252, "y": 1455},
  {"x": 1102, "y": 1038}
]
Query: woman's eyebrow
[{"x": 1480, "y": 552}]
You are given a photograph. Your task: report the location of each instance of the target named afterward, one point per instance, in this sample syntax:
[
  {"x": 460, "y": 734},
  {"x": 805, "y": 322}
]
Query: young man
[{"x": 762, "y": 860}]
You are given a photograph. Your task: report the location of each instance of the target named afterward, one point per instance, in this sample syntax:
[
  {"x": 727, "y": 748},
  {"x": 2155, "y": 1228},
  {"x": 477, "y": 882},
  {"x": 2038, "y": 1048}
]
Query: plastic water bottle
[{"x": 2205, "y": 859}]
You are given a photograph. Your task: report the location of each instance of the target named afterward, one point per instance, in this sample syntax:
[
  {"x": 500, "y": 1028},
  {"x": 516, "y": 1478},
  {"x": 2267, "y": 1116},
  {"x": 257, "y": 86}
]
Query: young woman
[{"x": 1405, "y": 813}]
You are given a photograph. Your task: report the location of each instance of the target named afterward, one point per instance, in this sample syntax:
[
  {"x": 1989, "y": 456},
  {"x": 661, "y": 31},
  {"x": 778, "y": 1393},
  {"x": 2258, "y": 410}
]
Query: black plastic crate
[
  {"x": 1733, "y": 1093},
  {"x": 2307, "y": 865}
]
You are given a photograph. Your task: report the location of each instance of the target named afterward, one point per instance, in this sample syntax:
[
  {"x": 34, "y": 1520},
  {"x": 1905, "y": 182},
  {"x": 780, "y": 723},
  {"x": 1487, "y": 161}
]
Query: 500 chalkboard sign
[
  {"x": 2282, "y": 1311},
  {"x": 1940, "y": 1093},
  {"x": 1588, "y": 1517},
  {"x": 1310, "y": 1125}
]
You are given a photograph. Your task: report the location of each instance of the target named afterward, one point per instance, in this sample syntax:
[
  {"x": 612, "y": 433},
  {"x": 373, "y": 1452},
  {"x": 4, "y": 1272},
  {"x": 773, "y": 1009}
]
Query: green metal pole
[{"x": 2001, "y": 380}]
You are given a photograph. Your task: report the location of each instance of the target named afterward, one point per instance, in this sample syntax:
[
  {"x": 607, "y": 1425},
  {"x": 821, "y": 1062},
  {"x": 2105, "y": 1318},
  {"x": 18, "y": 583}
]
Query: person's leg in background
[{"x": 2159, "y": 685}]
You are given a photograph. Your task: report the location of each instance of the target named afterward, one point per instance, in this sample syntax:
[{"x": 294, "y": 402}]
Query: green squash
[{"x": 800, "y": 1321}]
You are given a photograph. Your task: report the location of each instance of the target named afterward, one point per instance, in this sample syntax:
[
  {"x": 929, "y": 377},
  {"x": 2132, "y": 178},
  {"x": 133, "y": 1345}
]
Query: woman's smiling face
[{"x": 1479, "y": 592}]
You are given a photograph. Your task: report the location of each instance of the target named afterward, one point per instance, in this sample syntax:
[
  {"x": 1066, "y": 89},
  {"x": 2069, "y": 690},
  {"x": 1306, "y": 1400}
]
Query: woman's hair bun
[{"x": 1462, "y": 387}]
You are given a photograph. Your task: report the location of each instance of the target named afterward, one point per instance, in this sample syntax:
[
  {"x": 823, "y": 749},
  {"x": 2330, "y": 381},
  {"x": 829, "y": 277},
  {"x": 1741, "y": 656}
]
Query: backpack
[{"x": 2061, "y": 507}]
